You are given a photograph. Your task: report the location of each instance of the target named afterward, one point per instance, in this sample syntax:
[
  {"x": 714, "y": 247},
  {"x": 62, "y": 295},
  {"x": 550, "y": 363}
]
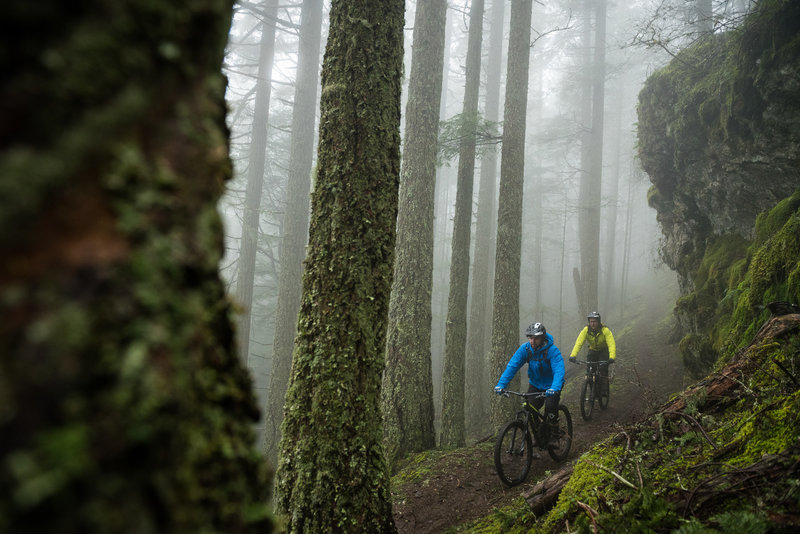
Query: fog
[{"x": 640, "y": 37}]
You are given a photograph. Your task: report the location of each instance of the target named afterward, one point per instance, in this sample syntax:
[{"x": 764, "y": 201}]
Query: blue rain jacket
[{"x": 545, "y": 369}]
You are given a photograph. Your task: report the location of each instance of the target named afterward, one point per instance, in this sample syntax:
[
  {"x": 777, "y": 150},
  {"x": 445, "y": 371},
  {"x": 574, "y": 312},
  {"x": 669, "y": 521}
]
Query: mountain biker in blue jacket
[{"x": 545, "y": 370}]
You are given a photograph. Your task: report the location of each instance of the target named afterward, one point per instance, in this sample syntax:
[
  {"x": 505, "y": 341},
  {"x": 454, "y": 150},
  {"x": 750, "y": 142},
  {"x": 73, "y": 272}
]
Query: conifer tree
[{"x": 332, "y": 475}]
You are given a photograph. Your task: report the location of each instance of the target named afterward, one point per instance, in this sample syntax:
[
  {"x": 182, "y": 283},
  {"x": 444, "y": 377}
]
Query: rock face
[{"x": 719, "y": 134}]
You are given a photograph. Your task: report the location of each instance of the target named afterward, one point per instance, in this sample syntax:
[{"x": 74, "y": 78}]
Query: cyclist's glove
[
  {"x": 550, "y": 392},
  {"x": 499, "y": 390},
  {"x": 610, "y": 361},
  {"x": 573, "y": 359}
]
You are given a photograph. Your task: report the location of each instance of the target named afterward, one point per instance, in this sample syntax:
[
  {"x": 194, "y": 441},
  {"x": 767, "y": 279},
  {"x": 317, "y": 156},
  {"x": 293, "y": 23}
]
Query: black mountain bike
[
  {"x": 513, "y": 450},
  {"x": 595, "y": 387}
]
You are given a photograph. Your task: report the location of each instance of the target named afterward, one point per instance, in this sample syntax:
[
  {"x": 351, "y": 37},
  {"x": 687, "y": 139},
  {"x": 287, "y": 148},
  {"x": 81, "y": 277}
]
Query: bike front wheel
[
  {"x": 513, "y": 453},
  {"x": 587, "y": 399},
  {"x": 559, "y": 448}
]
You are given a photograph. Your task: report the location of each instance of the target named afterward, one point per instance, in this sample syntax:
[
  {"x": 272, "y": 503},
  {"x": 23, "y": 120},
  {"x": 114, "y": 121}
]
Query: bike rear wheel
[
  {"x": 560, "y": 449},
  {"x": 587, "y": 399},
  {"x": 513, "y": 453}
]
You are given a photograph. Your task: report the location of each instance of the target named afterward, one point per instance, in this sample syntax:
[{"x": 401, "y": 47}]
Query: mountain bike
[
  {"x": 595, "y": 386},
  {"x": 513, "y": 450}
]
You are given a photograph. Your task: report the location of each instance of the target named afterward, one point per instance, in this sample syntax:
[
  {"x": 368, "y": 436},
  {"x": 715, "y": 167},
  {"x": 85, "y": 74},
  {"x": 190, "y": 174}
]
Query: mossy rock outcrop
[{"x": 719, "y": 136}]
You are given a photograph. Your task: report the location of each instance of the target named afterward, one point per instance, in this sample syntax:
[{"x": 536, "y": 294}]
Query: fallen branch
[
  {"x": 695, "y": 423},
  {"x": 591, "y": 513},
  {"x": 615, "y": 475},
  {"x": 542, "y": 497}
]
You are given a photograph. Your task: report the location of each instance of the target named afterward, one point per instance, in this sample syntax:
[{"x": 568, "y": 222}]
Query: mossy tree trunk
[
  {"x": 332, "y": 475},
  {"x": 295, "y": 220},
  {"x": 478, "y": 339},
  {"x": 452, "y": 433},
  {"x": 123, "y": 404},
  {"x": 407, "y": 396},
  {"x": 255, "y": 178},
  {"x": 505, "y": 314}
]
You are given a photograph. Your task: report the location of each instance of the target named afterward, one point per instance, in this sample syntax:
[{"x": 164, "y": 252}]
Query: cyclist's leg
[
  {"x": 602, "y": 356},
  {"x": 538, "y": 401},
  {"x": 551, "y": 415}
]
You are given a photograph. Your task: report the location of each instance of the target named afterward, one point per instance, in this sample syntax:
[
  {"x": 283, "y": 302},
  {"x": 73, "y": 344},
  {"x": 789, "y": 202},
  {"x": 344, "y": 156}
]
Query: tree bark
[
  {"x": 125, "y": 407},
  {"x": 295, "y": 222},
  {"x": 407, "y": 395},
  {"x": 452, "y": 434},
  {"x": 332, "y": 475},
  {"x": 505, "y": 313}
]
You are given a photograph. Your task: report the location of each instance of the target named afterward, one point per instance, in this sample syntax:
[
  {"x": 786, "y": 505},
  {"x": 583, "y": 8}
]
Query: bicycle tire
[
  {"x": 565, "y": 435},
  {"x": 605, "y": 393},
  {"x": 513, "y": 453},
  {"x": 587, "y": 399}
]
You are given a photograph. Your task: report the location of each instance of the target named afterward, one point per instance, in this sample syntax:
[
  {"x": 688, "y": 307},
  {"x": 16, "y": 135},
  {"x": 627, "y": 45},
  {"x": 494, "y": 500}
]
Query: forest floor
[{"x": 462, "y": 485}]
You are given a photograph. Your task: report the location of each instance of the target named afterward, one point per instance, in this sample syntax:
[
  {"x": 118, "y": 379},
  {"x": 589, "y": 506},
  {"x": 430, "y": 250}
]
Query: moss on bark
[
  {"x": 124, "y": 407},
  {"x": 332, "y": 476}
]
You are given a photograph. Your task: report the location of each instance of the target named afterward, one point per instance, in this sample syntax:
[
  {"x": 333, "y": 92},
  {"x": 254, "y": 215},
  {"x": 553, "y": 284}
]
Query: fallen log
[{"x": 542, "y": 497}]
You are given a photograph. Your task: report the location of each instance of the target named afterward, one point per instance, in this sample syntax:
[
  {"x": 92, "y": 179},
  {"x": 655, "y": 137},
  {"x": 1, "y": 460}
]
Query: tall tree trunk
[
  {"x": 584, "y": 201},
  {"x": 332, "y": 475},
  {"x": 505, "y": 314},
  {"x": 613, "y": 202},
  {"x": 440, "y": 242},
  {"x": 295, "y": 220},
  {"x": 407, "y": 396},
  {"x": 592, "y": 173},
  {"x": 478, "y": 338},
  {"x": 452, "y": 434},
  {"x": 255, "y": 178},
  {"x": 125, "y": 407}
]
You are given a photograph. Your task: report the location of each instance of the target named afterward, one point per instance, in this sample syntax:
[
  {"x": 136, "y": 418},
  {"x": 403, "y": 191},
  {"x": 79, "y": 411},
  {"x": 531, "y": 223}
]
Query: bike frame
[{"x": 532, "y": 416}]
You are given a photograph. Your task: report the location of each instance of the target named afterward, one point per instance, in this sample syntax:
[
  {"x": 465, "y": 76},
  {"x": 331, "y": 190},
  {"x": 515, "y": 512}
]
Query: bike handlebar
[
  {"x": 584, "y": 362},
  {"x": 535, "y": 394}
]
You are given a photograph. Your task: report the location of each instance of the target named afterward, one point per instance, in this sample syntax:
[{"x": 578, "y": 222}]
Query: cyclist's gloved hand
[
  {"x": 499, "y": 390},
  {"x": 610, "y": 361},
  {"x": 550, "y": 392},
  {"x": 573, "y": 359}
]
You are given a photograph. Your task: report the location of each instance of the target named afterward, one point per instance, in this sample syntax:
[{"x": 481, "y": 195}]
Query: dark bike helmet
[
  {"x": 593, "y": 315},
  {"x": 535, "y": 329}
]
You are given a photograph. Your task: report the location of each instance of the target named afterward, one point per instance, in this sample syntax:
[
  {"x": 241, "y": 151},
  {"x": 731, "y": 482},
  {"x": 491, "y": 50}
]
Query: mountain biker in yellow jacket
[{"x": 601, "y": 343}]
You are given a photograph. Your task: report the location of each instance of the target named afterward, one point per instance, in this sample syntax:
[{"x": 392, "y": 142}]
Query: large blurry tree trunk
[
  {"x": 452, "y": 434},
  {"x": 123, "y": 404},
  {"x": 505, "y": 313},
  {"x": 407, "y": 395},
  {"x": 255, "y": 178},
  {"x": 295, "y": 220},
  {"x": 477, "y": 349},
  {"x": 332, "y": 475}
]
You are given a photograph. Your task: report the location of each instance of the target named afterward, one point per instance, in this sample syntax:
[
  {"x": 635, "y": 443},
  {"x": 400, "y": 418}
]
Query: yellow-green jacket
[{"x": 597, "y": 341}]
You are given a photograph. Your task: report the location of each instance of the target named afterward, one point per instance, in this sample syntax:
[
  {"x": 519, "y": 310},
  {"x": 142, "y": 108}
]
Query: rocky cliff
[{"x": 719, "y": 136}]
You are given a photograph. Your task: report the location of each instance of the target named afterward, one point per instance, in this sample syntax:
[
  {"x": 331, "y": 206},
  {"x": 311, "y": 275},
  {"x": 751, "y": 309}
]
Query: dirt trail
[{"x": 465, "y": 486}]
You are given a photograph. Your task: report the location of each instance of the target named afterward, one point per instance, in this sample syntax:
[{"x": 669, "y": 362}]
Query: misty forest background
[
  {"x": 312, "y": 233},
  {"x": 272, "y": 63}
]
